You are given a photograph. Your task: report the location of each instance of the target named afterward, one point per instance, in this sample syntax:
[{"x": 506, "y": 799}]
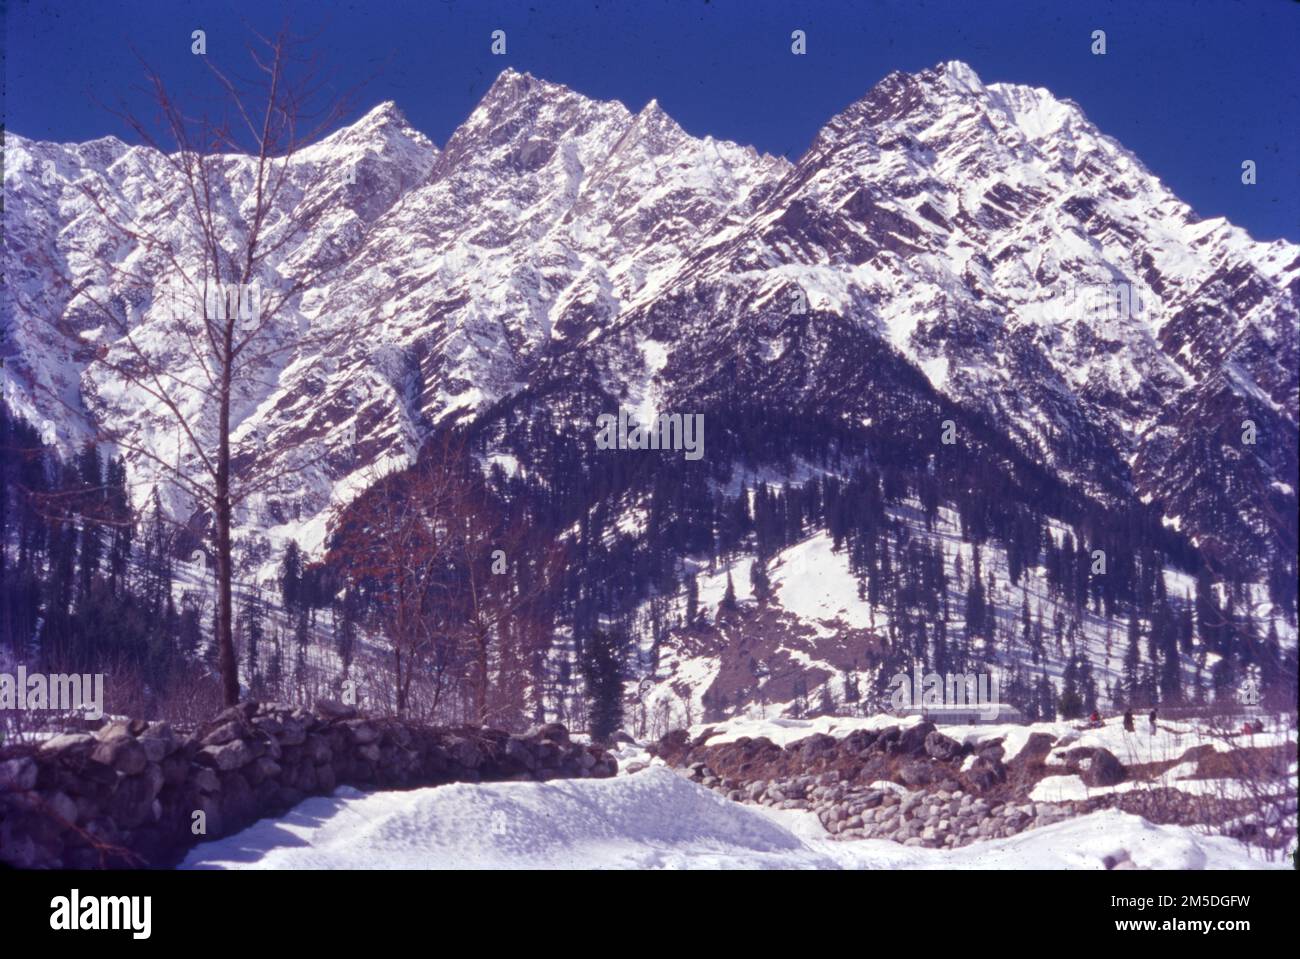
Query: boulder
[
  {"x": 64, "y": 807},
  {"x": 1104, "y": 769},
  {"x": 985, "y": 774},
  {"x": 18, "y": 775},
  {"x": 121, "y": 752},
  {"x": 518, "y": 752},
  {"x": 292, "y": 732},
  {"x": 557, "y": 733},
  {"x": 206, "y": 781},
  {"x": 362, "y": 731},
  {"x": 991, "y": 751},
  {"x": 941, "y": 747},
  {"x": 158, "y": 743},
  {"x": 1036, "y": 748},
  {"x": 812, "y": 747},
  {"x": 465, "y": 752},
  {"x": 69, "y": 745},
  {"x": 916, "y": 773},
  {"x": 226, "y": 732},
  {"x": 911, "y": 742},
  {"x": 331, "y": 709},
  {"x": 230, "y": 756}
]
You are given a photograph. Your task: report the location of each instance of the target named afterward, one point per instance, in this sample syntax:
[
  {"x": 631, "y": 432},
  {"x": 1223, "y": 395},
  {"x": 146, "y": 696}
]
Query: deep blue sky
[{"x": 1193, "y": 88}]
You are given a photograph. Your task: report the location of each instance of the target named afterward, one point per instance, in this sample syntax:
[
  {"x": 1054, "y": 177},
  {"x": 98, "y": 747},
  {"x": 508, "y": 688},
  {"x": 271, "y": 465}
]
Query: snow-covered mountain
[
  {"x": 450, "y": 272},
  {"x": 945, "y": 250},
  {"x": 1037, "y": 274}
]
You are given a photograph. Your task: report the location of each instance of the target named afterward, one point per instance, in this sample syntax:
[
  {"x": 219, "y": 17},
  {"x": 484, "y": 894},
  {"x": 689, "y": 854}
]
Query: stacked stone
[
  {"x": 910, "y": 785},
  {"x": 139, "y": 793}
]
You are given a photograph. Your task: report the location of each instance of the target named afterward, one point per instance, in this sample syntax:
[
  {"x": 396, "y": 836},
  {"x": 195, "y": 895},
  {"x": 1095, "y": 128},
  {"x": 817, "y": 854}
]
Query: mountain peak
[
  {"x": 384, "y": 114},
  {"x": 520, "y": 107},
  {"x": 959, "y": 76},
  {"x": 513, "y": 85},
  {"x": 383, "y": 123},
  {"x": 653, "y": 118}
]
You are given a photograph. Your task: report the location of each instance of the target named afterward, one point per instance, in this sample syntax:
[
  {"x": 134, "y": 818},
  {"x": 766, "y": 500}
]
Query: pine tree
[
  {"x": 800, "y": 706},
  {"x": 729, "y": 597},
  {"x": 122, "y": 533},
  {"x": 850, "y": 686},
  {"x": 253, "y": 631},
  {"x": 759, "y": 581},
  {"x": 291, "y": 576},
  {"x": 1070, "y": 704},
  {"x": 91, "y": 500},
  {"x": 1132, "y": 661},
  {"x": 346, "y": 634},
  {"x": 1165, "y": 629},
  {"x": 1046, "y": 699},
  {"x": 603, "y": 671},
  {"x": 1087, "y": 686}
]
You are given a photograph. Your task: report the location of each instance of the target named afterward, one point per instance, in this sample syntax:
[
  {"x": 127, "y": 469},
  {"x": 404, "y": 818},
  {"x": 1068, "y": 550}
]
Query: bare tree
[
  {"x": 215, "y": 295},
  {"x": 510, "y": 587},
  {"x": 1254, "y": 794},
  {"x": 392, "y": 544},
  {"x": 461, "y": 596}
]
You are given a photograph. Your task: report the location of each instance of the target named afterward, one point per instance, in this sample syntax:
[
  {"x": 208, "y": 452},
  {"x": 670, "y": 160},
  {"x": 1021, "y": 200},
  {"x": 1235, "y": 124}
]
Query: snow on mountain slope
[
  {"x": 945, "y": 236},
  {"x": 543, "y": 216},
  {"x": 652, "y": 820},
  {"x": 820, "y": 627},
  {"x": 437, "y": 277},
  {"x": 105, "y": 231},
  {"x": 1036, "y": 273}
]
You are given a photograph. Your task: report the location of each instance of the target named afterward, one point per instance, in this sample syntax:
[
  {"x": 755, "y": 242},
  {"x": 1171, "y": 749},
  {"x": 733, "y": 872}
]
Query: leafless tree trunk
[{"x": 231, "y": 335}]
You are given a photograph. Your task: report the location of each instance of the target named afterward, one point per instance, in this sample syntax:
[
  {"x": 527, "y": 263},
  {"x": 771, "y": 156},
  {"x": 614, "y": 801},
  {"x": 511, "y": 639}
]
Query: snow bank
[
  {"x": 653, "y": 820},
  {"x": 1170, "y": 741}
]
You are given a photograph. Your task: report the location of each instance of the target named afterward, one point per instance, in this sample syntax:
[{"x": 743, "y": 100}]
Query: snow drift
[{"x": 653, "y": 820}]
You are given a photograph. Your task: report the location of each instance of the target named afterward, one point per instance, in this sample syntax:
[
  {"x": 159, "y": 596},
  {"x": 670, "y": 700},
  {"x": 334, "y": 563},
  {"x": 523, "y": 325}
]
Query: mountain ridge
[{"x": 459, "y": 275}]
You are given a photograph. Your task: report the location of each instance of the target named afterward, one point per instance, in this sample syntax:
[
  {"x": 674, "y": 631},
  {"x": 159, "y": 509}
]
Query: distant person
[
  {"x": 1095, "y": 719},
  {"x": 1152, "y": 718},
  {"x": 1128, "y": 720}
]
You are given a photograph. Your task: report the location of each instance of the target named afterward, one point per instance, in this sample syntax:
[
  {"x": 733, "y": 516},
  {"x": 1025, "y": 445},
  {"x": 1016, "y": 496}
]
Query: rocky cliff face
[
  {"x": 945, "y": 250},
  {"x": 987, "y": 237}
]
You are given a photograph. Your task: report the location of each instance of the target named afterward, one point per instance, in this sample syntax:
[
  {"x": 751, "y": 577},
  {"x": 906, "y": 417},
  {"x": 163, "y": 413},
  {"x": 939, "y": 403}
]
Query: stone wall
[
  {"x": 130, "y": 793},
  {"x": 912, "y": 784}
]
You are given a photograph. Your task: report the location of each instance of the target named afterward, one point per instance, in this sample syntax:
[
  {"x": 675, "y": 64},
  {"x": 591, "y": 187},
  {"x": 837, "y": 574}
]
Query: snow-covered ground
[
  {"x": 1169, "y": 742},
  {"x": 649, "y": 817},
  {"x": 654, "y": 819}
]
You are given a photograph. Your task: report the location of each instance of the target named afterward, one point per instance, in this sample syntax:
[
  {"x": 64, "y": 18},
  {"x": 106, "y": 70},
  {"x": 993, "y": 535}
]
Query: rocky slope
[{"x": 946, "y": 250}]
